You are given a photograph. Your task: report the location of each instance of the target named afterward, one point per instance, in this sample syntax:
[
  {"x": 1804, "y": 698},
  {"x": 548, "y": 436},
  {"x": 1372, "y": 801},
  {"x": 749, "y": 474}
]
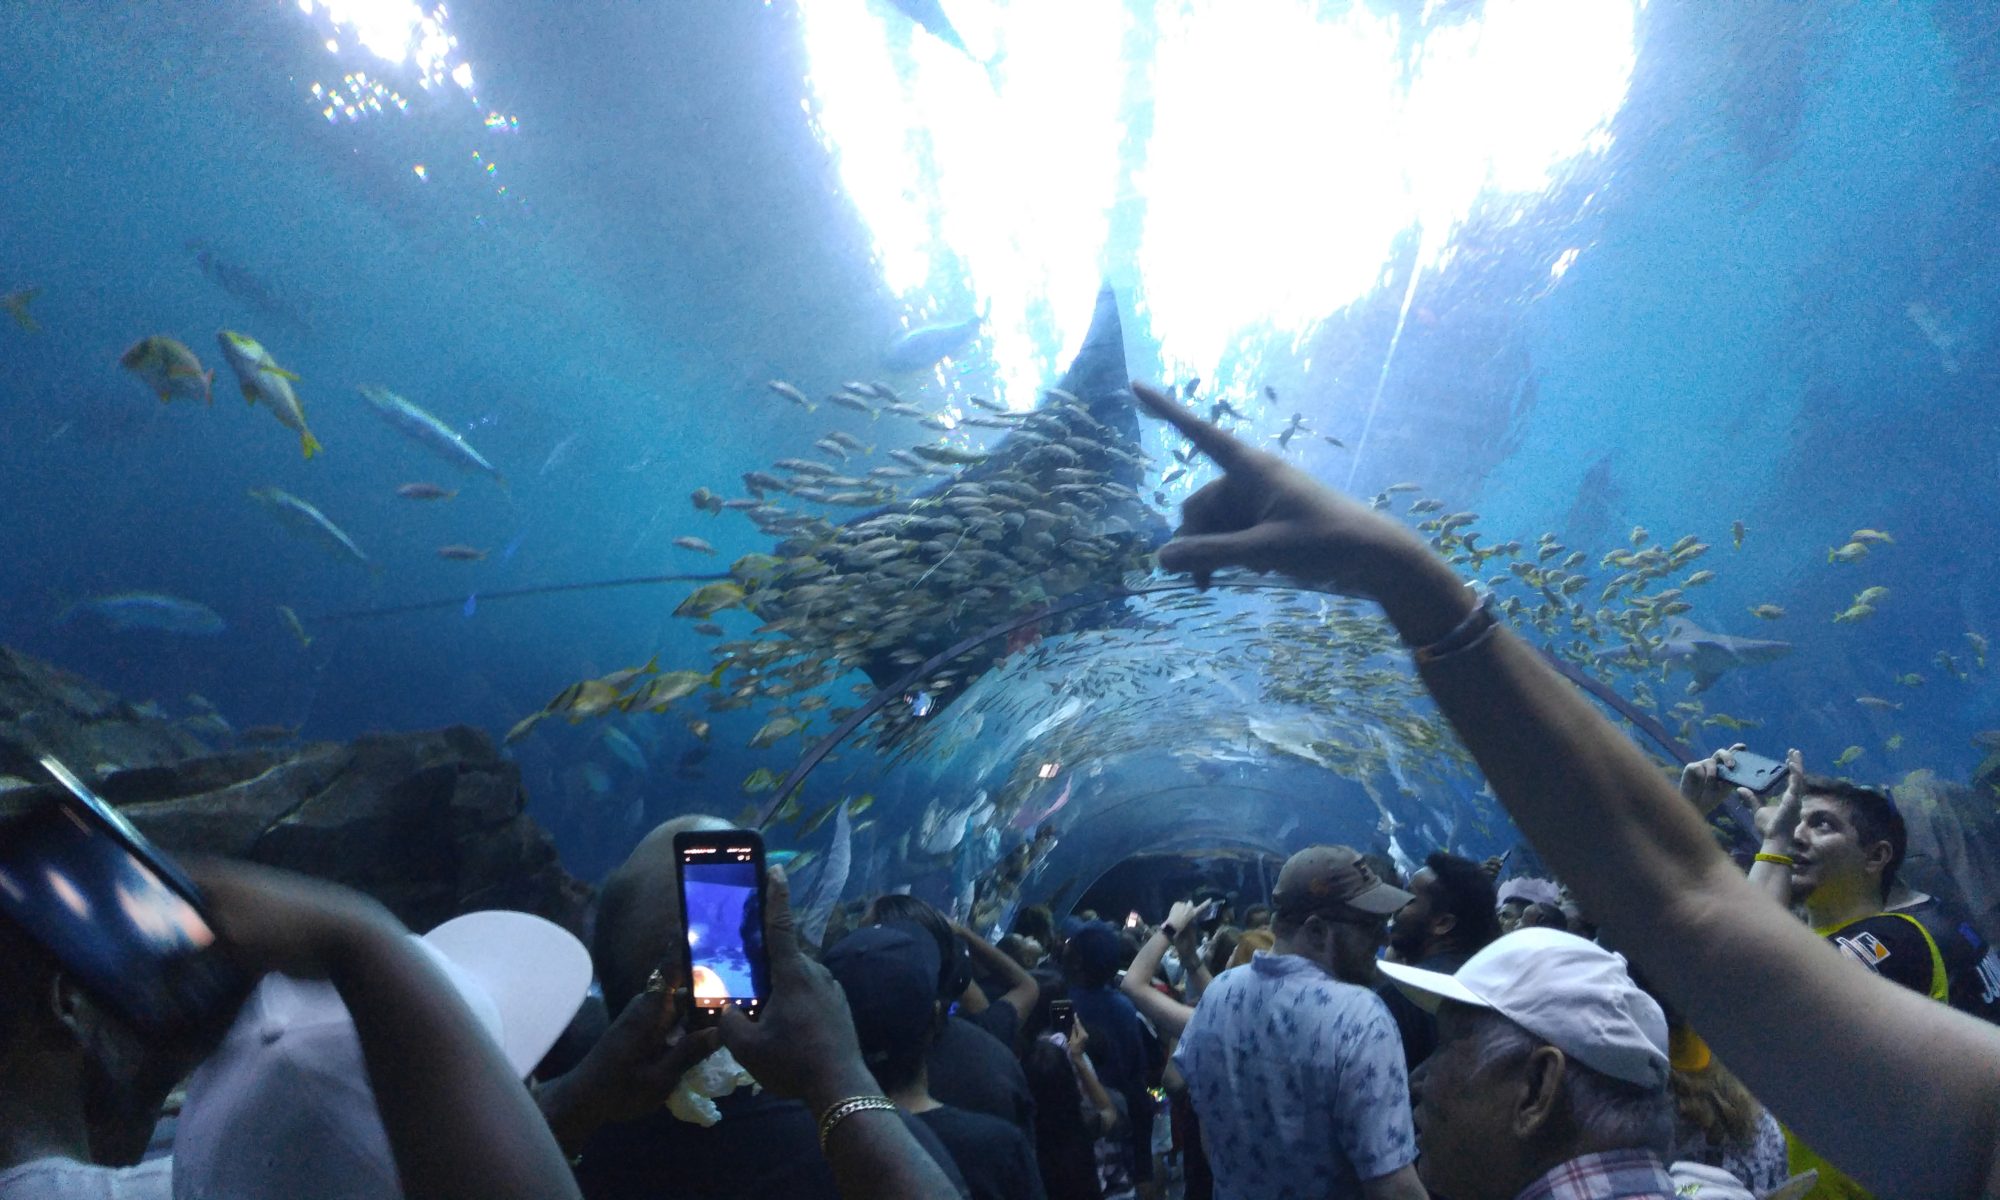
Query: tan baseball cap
[{"x": 1320, "y": 877}]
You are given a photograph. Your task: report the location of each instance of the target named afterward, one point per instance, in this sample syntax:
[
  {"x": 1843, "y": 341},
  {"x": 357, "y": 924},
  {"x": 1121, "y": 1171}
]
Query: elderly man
[
  {"x": 1549, "y": 1081},
  {"x": 1293, "y": 1066}
]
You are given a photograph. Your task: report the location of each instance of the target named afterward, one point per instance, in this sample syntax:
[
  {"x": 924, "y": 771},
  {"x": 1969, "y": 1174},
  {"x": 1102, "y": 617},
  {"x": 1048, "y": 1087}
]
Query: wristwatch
[{"x": 1169, "y": 930}]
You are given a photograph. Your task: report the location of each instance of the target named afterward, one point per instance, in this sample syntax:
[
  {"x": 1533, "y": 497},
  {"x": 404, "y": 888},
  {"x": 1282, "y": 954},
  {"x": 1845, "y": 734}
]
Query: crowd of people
[{"x": 1456, "y": 1033}]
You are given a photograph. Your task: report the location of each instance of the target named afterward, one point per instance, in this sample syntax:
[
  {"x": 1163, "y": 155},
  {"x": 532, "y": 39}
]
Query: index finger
[{"x": 1211, "y": 440}]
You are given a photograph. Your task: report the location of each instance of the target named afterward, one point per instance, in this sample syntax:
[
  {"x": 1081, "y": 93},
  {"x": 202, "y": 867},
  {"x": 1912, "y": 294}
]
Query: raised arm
[
  {"x": 1022, "y": 990},
  {"x": 1168, "y": 1015},
  {"x": 804, "y": 1048},
  {"x": 459, "y": 1122},
  {"x": 1758, "y": 985}
]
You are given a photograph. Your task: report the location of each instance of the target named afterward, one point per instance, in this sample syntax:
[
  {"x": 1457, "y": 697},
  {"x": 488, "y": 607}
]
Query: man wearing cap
[
  {"x": 1294, "y": 1067},
  {"x": 1549, "y": 1081},
  {"x": 889, "y": 974}
]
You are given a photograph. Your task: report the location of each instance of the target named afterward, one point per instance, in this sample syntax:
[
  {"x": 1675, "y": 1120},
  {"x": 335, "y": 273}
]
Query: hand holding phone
[
  {"x": 115, "y": 912},
  {"x": 1062, "y": 1016},
  {"x": 722, "y": 889}
]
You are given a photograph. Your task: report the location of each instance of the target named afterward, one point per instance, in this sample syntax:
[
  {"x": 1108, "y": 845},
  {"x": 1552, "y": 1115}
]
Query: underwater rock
[{"x": 432, "y": 823}]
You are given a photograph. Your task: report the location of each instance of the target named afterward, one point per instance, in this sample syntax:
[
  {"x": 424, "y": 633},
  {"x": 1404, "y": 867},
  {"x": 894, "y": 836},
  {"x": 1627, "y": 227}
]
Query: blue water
[{"x": 1734, "y": 342}]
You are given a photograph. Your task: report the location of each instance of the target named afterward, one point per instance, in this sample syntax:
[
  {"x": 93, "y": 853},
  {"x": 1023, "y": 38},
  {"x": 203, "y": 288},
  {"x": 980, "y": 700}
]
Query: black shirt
[
  {"x": 1889, "y": 945},
  {"x": 997, "y": 1160},
  {"x": 763, "y": 1146},
  {"x": 1970, "y": 964},
  {"x": 1418, "y": 1028},
  {"x": 973, "y": 1070},
  {"x": 999, "y": 1019}
]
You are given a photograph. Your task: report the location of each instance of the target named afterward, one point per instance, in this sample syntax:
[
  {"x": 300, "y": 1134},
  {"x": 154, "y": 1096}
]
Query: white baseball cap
[
  {"x": 1572, "y": 993},
  {"x": 283, "y": 1111}
]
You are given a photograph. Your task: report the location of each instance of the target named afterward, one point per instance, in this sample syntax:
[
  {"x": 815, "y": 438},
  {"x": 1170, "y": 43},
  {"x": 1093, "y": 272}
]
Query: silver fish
[{"x": 427, "y": 431}]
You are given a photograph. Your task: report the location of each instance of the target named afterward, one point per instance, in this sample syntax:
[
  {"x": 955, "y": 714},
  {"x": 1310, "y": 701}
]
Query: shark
[{"x": 1708, "y": 655}]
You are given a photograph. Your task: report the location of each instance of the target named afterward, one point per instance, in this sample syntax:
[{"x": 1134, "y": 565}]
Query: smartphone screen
[
  {"x": 1062, "y": 1017},
  {"x": 115, "y": 913},
  {"x": 722, "y": 916}
]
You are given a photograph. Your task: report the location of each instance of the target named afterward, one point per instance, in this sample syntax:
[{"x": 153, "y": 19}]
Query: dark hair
[
  {"x": 1875, "y": 819},
  {"x": 1543, "y": 915},
  {"x": 1220, "y": 947},
  {"x": 953, "y": 973},
  {"x": 1466, "y": 891},
  {"x": 1036, "y": 921},
  {"x": 1256, "y": 915}
]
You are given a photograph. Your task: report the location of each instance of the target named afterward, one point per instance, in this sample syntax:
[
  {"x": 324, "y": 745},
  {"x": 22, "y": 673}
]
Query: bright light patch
[
  {"x": 985, "y": 185},
  {"x": 1294, "y": 145},
  {"x": 398, "y": 31}
]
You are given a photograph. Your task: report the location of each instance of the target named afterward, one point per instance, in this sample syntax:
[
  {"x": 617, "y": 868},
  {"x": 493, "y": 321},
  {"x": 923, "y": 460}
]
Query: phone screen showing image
[
  {"x": 1062, "y": 1017},
  {"x": 88, "y": 892},
  {"x": 722, "y": 910}
]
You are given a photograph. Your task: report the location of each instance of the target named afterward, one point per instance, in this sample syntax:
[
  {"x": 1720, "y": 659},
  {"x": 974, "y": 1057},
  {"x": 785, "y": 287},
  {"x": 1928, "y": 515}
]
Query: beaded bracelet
[
  {"x": 1478, "y": 625},
  {"x": 844, "y": 1109}
]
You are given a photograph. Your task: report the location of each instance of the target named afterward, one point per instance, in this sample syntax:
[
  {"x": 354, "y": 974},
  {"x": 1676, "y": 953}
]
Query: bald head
[{"x": 639, "y": 912}]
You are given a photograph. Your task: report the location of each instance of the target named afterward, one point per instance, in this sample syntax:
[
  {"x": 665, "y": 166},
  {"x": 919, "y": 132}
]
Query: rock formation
[{"x": 432, "y": 823}]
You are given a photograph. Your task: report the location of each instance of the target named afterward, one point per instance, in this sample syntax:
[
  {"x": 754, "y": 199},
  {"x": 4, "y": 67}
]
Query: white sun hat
[
  {"x": 283, "y": 1111},
  {"x": 1572, "y": 993}
]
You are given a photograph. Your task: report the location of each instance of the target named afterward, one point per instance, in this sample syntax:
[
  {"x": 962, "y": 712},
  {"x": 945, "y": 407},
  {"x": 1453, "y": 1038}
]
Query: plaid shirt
[{"x": 1612, "y": 1175}]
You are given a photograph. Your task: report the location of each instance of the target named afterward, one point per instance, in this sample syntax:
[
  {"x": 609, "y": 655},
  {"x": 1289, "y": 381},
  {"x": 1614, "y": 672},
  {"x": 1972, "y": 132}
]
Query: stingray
[{"x": 1707, "y": 655}]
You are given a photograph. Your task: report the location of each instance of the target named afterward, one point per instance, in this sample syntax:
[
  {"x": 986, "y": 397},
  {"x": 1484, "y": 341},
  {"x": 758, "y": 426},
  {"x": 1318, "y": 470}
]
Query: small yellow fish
[
  {"x": 861, "y": 805},
  {"x": 695, "y": 544},
  {"x": 1872, "y": 535},
  {"x": 1847, "y": 756},
  {"x": 759, "y": 781},
  {"x": 699, "y": 729},
  {"x": 585, "y": 698},
  {"x": 662, "y": 690},
  {"x": 1978, "y": 644},
  {"x": 16, "y": 304},
  {"x": 1895, "y": 742},
  {"x": 1948, "y": 665},
  {"x": 261, "y": 378},
  {"x": 1878, "y": 703},
  {"x": 774, "y": 731},
  {"x": 709, "y": 599},
  {"x": 1639, "y": 535},
  {"x": 296, "y": 626},
  {"x": 1874, "y": 595},
  {"x": 1855, "y": 613},
  {"x": 1699, "y": 578},
  {"x": 1769, "y": 612},
  {"x": 1910, "y": 680},
  {"x": 1736, "y": 531},
  {"x": 1851, "y": 552},
  {"x": 524, "y": 726},
  {"x": 1732, "y": 723},
  {"x": 169, "y": 370}
]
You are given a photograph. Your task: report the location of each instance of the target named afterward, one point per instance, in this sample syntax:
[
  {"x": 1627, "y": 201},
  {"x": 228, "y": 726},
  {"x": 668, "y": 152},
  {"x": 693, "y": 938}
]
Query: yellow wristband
[{"x": 1782, "y": 860}]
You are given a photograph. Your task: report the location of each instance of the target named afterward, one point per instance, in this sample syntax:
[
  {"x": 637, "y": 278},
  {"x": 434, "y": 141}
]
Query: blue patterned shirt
[
  {"x": 1612, "y": 1175},
  {"x": 1298, "y": 1081}
]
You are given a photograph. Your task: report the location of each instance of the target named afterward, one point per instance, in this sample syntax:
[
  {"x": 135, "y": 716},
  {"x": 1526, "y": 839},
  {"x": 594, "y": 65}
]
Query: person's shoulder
[
  {"x": 964, "y": 1125},
  {"x": 1888, "y": 944}
]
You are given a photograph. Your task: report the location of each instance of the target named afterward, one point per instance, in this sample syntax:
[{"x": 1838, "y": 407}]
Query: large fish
[
  {"x": 427, "y": 431},
  {"x": 1707, "y": 655},
  {"x": 310, "y": 523},
  {"x": 921, "y": 348},
  {"x": 152, "y": 611},
  {"x": 261, "y": 378}
]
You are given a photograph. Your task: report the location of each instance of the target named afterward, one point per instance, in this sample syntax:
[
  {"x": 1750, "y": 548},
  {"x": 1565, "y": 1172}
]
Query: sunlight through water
[{"x": 1294, "y": 146}]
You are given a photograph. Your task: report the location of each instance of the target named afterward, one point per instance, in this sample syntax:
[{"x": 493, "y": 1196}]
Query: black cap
[{"x": 890, "y": 975}]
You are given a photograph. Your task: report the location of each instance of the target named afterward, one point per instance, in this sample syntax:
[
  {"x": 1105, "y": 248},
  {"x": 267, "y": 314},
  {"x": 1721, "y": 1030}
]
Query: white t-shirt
[{"x": 68, "y": 1179}]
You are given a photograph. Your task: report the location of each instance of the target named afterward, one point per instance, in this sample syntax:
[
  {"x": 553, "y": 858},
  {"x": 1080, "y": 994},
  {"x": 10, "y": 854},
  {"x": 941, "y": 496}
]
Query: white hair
[{"x": 1603, "y": 1111}]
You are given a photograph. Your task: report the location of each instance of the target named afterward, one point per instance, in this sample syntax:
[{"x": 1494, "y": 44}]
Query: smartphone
[
  {"x": 1132, "y": 920},
  {"x": 116, "y": 913},
  {"x": 1753, "y": 771},
  {"x": 1062, "y": 1017},
  {"x": 722, "y": 922}
]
